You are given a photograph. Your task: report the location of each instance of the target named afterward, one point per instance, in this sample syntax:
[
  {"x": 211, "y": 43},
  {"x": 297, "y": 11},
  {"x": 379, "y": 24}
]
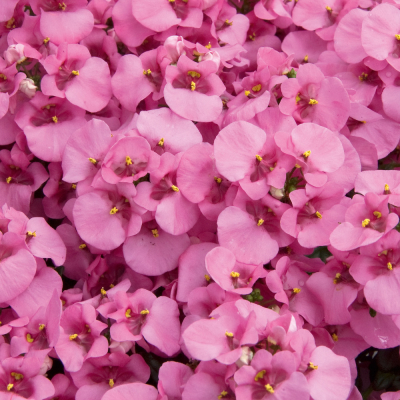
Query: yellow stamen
[
  {"x": 62, "y": 6},
  {"x": 328, "y": 9},
  {"x": 155, "y": 233},
  {"x": 55, "y": 119},
  {"x": 17, "y": 376},
  {"x": 194, "y": 74},
  {"x": 298, "y": 98},
  {"x": 256, "y": 88},
  {"x": 390, "y": 266},
  {"x": 229, "y": 334},
  {"x": 377, "y": 214},
  {"x": 73, "y": 337},
  {"x": 235, "y": 274},
  {"x": 318, "y": 215},
  {"x": 337, "y": 277},
  {"x": 111, "y": 286},
  {"x": 208, "y": 278},
  {"x": 9, "y": 179},
  {"x": 269, "y": 388},
  {"x": 73, "y": 186},
  {"x": 305, "y": 58},
  {"x": 114, "y": 210},
  {"x": 363, "y": 77},
  {"x": 397, "y": 37},
  {"x": 387, "y": 189},
  {"x": 218, "y": 180},
  {"x": 128, "y": 313},
  {"x": 82, "y": 246},
  {"x": 76, "y": 73},
  {"x": 227, "y": 22},
  {"x": 128, "y": 160},
  {"x": 93, "y": 160},
  {"x": 31, "y": 234},
  {"x": 313, "y": 102},
  {"x": 111, "y": 383},
  {"x": 365, "y": 223},
  {"x": 208, "y": 46},
  {"x": 222, "y": 395},
  {"x": 29, "y": 338},
  {"x": 46, "y": 40},
  {"x": 171, "y": 1},
  {"x": 296, "y": 290},
  {"x": 307, "y": 154},
  {"x": 259, "y": 158},
  {"x": 335, "y": 337},
  {"x": 147, "y": 72},
  {"x": 2, "y": 76},
  {"x": 192, "y": 86},
  {"x": 175, "y": 188},
  {"x": 10, "y": 23},
  {"x": 41, "y": 327},
  {"x": 161, "y": 142},
  {"x": 103, "y": 292},
  {"x": 247, "y": 92},
  {"x": 144, "y": 312},
  {"x": 10, "y": 386},
  {"x": 260, "y": 375},
  {"x": 252, "y": 37},
  {"x": 312, "y": 366},
  {"x": 260, "y": 222}
]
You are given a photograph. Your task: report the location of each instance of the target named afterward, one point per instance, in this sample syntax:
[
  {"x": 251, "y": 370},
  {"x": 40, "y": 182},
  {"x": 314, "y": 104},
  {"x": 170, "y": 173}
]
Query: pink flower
[
  {"x": 311, "y": 97},
  {"x": 366, "y": 221},
  {"x": 193, "y": 89}
]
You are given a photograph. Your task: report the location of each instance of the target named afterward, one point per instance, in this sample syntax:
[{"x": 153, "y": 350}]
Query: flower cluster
[{"x": 171, "y": 172}]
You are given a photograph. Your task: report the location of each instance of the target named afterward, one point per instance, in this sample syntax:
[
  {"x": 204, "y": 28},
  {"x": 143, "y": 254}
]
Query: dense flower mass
[{"x": 199, "y": 199}]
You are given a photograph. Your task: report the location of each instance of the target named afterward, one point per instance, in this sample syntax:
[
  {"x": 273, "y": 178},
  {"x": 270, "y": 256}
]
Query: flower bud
[
  {"x": 175, "y": 48},
  {"x": 27, "y": 86},
  {"x": 277, "y": 193},
  {"x": 15, "y": 54}
]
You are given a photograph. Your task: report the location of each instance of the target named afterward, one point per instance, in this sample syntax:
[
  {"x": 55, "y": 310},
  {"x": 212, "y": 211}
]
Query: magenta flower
[
  {"x": 200, "y": 182},
  {"x": 380, "y": 41},
  {"x": 80, "y": 336},
  {"x": 366, "y": 221},
  {"x": 178, "y": 134},
  {"x": 317, "y": 151},
  {"x": 129, "y": 160},
  {"x": 383, "y": 183},
  {"x": 67, "y": 21},
  {"x": 143, "y": 315},
  {"x": 192, "y": 269},
  {"x": 245, "y": 153},
  {"x": 312, "y": 97},
  {"x": 20, "y": 377},
  {"x": 152, "y": 251},
  {"x": 246, "y": 236},
  {"x": 84, "y": 80},
  {"x": 15, "y": 260},
  {"x": 19, "y": 178},
  {"x": 315, "y": 214},
  {"x": 101, "y": 374},
  {"x": 192, "y": 89},
  {"x": 85, "y": 151},
  {"x": 376, "y": 268},
  {"x": 231, "y": 275},
  {"x": 159, "y": 15},
  {"x": 173, "y": 212},
  {"x": 271, "y": 376},
  {"x": 48, "y": 124}
]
